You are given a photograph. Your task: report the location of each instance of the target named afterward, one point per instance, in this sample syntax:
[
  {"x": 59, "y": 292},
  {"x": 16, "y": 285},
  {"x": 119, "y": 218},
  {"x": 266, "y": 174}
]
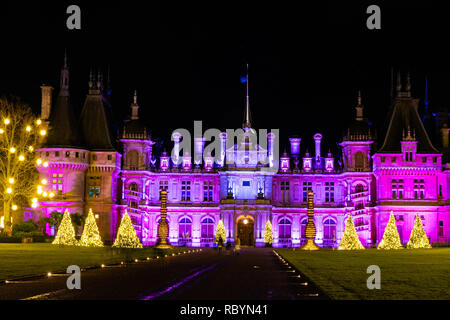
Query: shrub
[{"x": 24, "y": 227}]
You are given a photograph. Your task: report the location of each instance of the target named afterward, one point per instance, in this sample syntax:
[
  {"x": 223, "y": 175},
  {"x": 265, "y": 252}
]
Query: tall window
[
  {"x": 419, "y": 189},
  {"x": 307, "y": 186},
  {"x": 57, "y": 183},
  {"x": 208, "y": 191},
  {"x": 284, "y": 191},
  {"x": 329, "y": 233},
  {"x": 303, "y": 230},
  {"x": 163, "y": 185},
  {"x": 185, "y": 227},
  {"x": 207, "y": 229},
  {"x": 360, "y": 161},
  {"x": 185, "y": 191},
  {"x": 284, "y": 227},
  {"x": 94, "y": 187},
  {"x": 397, "y": 189},
  {"x": 133, "y": 159},
  {"x": 441, "y": 229},
  {"x": 329, "y": 191},
  {"x": 359, "y": 188}
]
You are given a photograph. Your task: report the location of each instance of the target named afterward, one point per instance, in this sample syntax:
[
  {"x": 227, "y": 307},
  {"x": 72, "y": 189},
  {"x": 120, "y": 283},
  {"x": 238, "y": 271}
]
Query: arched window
[
  {"x": 207, "y": 229},
  {"x": 133, "y": 187},
  {"x": 184, "y": 229},
  {"x": 303, "y": 231},
  {"x": 284, "y": 228},
  {"x": 360, "y": 161},
  {"x": 329, "y": 233},
  {"x": 132, "y": 159},
  {"x": 359, "y": 188}
]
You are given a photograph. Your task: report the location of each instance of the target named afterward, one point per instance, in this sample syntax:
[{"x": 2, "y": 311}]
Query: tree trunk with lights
[{"x": 20, "y": 135}]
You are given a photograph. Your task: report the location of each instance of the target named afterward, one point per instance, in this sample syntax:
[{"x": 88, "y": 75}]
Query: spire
[
  {"x": 247, "y": 124},
  {"x": 359, "y": 108},
  {"x": 64, "y": 85},
  {"x": 426, "y": 93},
  {"x": 392, "y": 83},
  {"x": 399, "y": 82},
  {"x": 134, "y": 107},
  {"x": 408, "y": 84}
]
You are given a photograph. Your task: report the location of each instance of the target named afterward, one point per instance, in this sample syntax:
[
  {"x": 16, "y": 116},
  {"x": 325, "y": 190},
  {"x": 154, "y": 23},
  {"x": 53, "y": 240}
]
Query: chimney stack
[
  {"x": 317, "y": 139},
  {"x": 295, "y": 146}
]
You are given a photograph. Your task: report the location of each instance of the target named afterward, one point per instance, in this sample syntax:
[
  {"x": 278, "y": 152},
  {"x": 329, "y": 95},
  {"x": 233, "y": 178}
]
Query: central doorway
[{"x": 245, "y": 228}]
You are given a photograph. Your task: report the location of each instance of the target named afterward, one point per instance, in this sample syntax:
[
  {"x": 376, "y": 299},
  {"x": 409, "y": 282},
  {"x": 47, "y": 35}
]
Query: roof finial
[
  {"x": 91, "y": 79},
  {"x": 134, "y": 107},
  {"x": 359, "y": 108},
  {"x": 99, "y": 80},
  {"x": 247, "y": 124},
  {"x": 65, "y": 58},
  {"x": 426, "y": 93},
  {"x": 64, "y": 81}
]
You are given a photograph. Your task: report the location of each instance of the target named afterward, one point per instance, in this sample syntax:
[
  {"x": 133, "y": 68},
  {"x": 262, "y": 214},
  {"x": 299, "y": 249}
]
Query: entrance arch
[{"x": 246, "y": 230}]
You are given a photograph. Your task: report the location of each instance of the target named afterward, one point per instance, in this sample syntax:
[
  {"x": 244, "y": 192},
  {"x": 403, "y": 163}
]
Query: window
[
  {"x": 56, "y": 153},
  {"x": 397, "y": 189},
  {"x": 185, "y": 191},
  {"x": 94, "y": 187},
  {"x": 77, "y": 154},
  {"x": 284, "y": 229},
  {"x": 307, "y": 186},
  {"x": 94, "y": 157},
  {"x": 208, "y": 228},
  {"x": 419, "y": 189},
  {"x": 246, "y": 183},
  {"x": 441, "y": 229},
  {"x": 424, "y": 159},
  {"x": 47, "y": 154},
  {"x": 393, "y": 159},
  {"x": 360, "y": 161},
  {"x": 57, "y": 183},
  {"x": 67, "y": 154},
  {"x": 163, "y": 185},
  {"x": 329, "y": 233},
  {"x": 359, "y": 188},
  {"x": 284, "y": 191},
  {"x": 184, "y": 228},
  {"x": 303, "y": 230},
  {"x": 132, "y": 160},
  {"x": 329, "y": 191},
  {"x": 383, "y": 159},
  {"x": 109, "y": 157},
  {"x": 434, "y": 159},
  {"x": 208, "y": 191}
]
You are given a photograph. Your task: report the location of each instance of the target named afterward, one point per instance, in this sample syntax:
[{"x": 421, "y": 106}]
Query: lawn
[
  {"x": 18, "y": 260},
  {"x": 405, "y": 274}
]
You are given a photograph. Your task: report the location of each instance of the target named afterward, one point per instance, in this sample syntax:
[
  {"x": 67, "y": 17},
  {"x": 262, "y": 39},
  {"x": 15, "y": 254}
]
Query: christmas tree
[
  {"x": 126, "y": 236},
  {"x": 391, "y": 239},
  {"x": 418, "y": 238},
  {"x": 91, "y": 236},
  {"x": 66, "y": 232},
  {"x": 350, "y": 240},
  {"x": 268, "y": 237},
  {"x": 220, "y": 232}
]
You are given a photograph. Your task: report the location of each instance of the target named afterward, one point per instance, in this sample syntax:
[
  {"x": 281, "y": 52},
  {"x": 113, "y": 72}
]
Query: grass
[
  {"x": 20, "y": 260},
  {"x": 405, "y": 274}
]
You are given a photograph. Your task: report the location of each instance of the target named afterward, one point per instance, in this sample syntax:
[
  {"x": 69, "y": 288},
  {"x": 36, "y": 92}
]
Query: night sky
[{"x": 186, "y": 60}]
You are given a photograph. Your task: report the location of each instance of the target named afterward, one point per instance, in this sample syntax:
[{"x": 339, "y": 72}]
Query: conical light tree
[
  {"x": 220, "y": 232},
  {"x": 126, "y": 235},
  {"x": 268, "y": 236},
  {"x": 350, "y": 239},
  {"x": 391, "y": 239},
  {"x": 418, "y": 238},
  {"x": 91, "y": 236},
  {"x": 66, "y": 232}
]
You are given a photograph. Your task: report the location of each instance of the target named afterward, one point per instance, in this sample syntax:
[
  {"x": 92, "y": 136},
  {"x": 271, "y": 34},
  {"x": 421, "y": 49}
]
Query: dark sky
[{"x": 186, "y": 59}]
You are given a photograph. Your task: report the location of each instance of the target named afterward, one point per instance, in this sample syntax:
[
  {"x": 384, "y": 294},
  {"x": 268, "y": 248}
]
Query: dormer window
[{"x": 383, "y": 159}]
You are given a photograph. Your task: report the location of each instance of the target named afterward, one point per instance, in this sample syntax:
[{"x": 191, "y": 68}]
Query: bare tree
[{"x": 20, "y": 135}]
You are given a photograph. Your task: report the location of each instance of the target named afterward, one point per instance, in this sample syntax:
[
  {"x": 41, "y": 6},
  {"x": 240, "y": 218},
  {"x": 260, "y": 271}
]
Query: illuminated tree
[
  {"x": 391, "y": 239},
  {"x": 418, "y": 238},
  {"x": 126, "y": 235},
  {"x": 220, "y": 232},
  {"x": 66, "y": 232},
  {"x": 20, "y": 134},
  {"x": 91, "y": 235},
  {"x": 350, "y": 239},
  {"x": 268, "y": 237}
]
